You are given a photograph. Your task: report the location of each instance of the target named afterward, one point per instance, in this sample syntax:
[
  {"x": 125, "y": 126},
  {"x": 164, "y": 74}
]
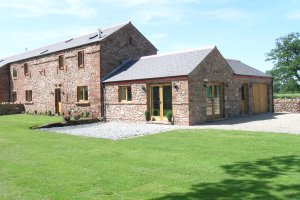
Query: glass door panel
[
  {"x": 167, "y": 99},
  {"x": 214, "y": 100},
  {"x": 209, "y": 100},
  {"x": 155, "y": 95},
  {"x": 217, "y": 100}
]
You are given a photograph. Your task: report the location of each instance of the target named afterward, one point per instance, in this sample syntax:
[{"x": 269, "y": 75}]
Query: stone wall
[
  {"x": 99, "y": 60},
  {"x": 214, "y": 69},
  {"x": 240, "y": 80},
  {"x": 287, "y": 105},
  {"x": 135, "y": 109},
  {"x": 8, "y": 109},
  {"x": 45, "y": 76},
  {"x": 126, "y": 111},
  {"x": 122, "y": 45},
  {"x": 4, "y": 84}
]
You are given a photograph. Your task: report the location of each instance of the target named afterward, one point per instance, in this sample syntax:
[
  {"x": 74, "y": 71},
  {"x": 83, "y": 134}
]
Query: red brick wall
[{"x": 4, "y": 84}]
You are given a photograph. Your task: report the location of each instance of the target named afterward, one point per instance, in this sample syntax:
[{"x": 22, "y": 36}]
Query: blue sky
[{"x": 241, "y": 29}]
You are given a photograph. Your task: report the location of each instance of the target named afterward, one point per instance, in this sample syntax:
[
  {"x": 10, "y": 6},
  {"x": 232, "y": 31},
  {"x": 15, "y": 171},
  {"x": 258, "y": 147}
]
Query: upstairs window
[
  {"x": 14, "y": 96},
  {"x": 125, "y": 94},
  {"x": 61, "y": 62},
  {"x": 80, "y": 56},
  {"x": 15, "y": 72},
  {"x": 130, "y": 40},
  {"x": 28, "y": 94},
  {"x": 26, "y": 69},
  {"x": 82, "y": 94}
]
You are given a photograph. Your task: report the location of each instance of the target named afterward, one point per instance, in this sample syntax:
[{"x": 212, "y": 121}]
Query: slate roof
[
  {"x": 158, "y": 66},
  {"x": 67, "y": 44},
  {"x": 240, "y": 68}
]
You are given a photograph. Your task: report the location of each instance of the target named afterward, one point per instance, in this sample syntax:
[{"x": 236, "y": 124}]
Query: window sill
[
  {"x": 83, "y": 103},
  {"x": 29, "y": 103},
  {"x": 125, "y": 101},
  {"x": 15, "y": 78}
]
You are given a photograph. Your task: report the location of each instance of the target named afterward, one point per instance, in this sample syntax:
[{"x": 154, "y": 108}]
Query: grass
[
  {"x": 286, "y": 95},
  {"x": 183, "y": 164}
]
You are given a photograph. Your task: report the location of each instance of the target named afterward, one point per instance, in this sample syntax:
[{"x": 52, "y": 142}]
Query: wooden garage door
[{"x": 260, "y": 98}]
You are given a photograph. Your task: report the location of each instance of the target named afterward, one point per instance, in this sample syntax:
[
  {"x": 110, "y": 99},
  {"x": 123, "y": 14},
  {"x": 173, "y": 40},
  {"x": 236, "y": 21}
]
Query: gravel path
[{"x": 267, "y": 122}]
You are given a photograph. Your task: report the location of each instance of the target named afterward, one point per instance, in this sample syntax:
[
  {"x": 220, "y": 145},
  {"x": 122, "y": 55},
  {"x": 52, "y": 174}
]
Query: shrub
[
  {"x": 67, "y": 119},
  {"x": 147, "y": 115},
  {"x": 82, "y": 115},
  {"x": 35, "y": 112},
  {"x": 49, "y": 113},
  {"x": 76, "y": 117},
  {"x": 87, "y": 114},
  {"x": 169, "y": 116}
]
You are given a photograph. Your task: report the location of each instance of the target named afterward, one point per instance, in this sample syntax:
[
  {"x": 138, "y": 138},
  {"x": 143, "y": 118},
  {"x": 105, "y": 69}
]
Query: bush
[
  {"x": 147, "y": 116},
  {"x": 169, "y": 116},
  {"x": 35, "y": 112},
  {"x": 76, "y": 117},
  {"x": 87, "y": 114},
  {"x": 67, "y": 119},
  {"x": 49, "y": 113}
]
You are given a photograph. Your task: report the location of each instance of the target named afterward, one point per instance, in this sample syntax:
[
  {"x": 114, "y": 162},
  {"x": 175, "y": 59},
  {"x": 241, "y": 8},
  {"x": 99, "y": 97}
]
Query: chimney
[{"x": 99, "y": 33}]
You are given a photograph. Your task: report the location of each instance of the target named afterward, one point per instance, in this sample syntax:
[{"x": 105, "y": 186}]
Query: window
[
  {"x": 14, "y": 96},
  {"x": 80, "y": 56},
  {"x": 28, "y": 95},
  {"x": 26, "y": 69},
  {"x": 15, "y": 72},
  {"x": 61, "y": 62},
  {"x": 125, "y": 93},
  {"x": 130, "y": 40},
  {"x": 82, "y": 94}
]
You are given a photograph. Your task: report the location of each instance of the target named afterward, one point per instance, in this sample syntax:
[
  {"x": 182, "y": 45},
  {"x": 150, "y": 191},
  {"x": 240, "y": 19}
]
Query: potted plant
[
  {"x": 147, "y": 115},
  {"x": 67, "y": 118},
  {"x": 169, "y": 116}
]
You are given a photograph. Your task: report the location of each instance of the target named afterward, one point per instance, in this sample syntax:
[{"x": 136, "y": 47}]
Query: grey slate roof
[
  {"x": 158, "y": 66},
  {"x": 240, "y": 68},
  {"x": 67, "y": 44}
]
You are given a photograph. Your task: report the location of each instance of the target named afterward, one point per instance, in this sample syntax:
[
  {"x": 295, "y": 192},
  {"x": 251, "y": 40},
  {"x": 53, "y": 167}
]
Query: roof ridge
[
  {"x": 179, "y": 52},
  {"x": 230, "y": 59},
  {"x": 62, "y": 41}
]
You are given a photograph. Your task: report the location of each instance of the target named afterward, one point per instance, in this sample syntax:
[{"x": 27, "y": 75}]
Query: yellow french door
[
  {"x": 214, "y": 100},
  {"x": 161, "y": 101}
]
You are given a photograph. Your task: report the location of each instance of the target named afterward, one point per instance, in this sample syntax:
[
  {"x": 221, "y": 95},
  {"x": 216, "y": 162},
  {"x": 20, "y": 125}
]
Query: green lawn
[
  {"x": 184, "y": 164},
  {"x": 286, "y": 95}
]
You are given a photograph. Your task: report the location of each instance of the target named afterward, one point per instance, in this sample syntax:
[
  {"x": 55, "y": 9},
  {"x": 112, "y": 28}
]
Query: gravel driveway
[{"x": 267, "y": 122}]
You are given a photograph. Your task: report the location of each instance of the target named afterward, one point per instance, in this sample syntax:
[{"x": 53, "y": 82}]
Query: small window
[
  {"x": 80, "y": 56},
  {"x": 130, "y": 40},
  {"x": 82, "y": 94},
  {"x": 15, "y": 72},
  {"x": 14, "y": 96},
  {"x": 28, "y": 95},
  {"x": 125, "y": 93},
  {"x": 26, "y": 69},
  {"x": 61, "y": 62}
]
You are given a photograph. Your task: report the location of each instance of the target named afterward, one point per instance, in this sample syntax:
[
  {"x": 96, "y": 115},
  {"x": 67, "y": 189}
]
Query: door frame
[
  {"x": 57, "y": 100},
  {"x": 161, "y": 116},
  {"x": 215, "y": 116},
  {"x": 244, "y": 103}
]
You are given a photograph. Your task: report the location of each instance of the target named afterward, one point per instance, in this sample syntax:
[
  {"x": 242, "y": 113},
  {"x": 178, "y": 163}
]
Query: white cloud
[
  {"x": 38, "y": 8},
  {"x": 294, "y": 15}
]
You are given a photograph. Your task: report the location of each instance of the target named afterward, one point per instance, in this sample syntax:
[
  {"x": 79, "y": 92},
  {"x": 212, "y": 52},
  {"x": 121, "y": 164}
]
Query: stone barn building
[{"x": 115, "y": 74}]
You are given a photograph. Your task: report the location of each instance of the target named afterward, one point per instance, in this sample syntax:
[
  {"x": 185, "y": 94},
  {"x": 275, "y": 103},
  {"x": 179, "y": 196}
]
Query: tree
[{"x": 286, "y": 59}]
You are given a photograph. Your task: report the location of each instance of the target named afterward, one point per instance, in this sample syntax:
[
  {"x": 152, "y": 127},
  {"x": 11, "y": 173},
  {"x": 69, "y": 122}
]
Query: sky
[{"x": 241, "y": 29}]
